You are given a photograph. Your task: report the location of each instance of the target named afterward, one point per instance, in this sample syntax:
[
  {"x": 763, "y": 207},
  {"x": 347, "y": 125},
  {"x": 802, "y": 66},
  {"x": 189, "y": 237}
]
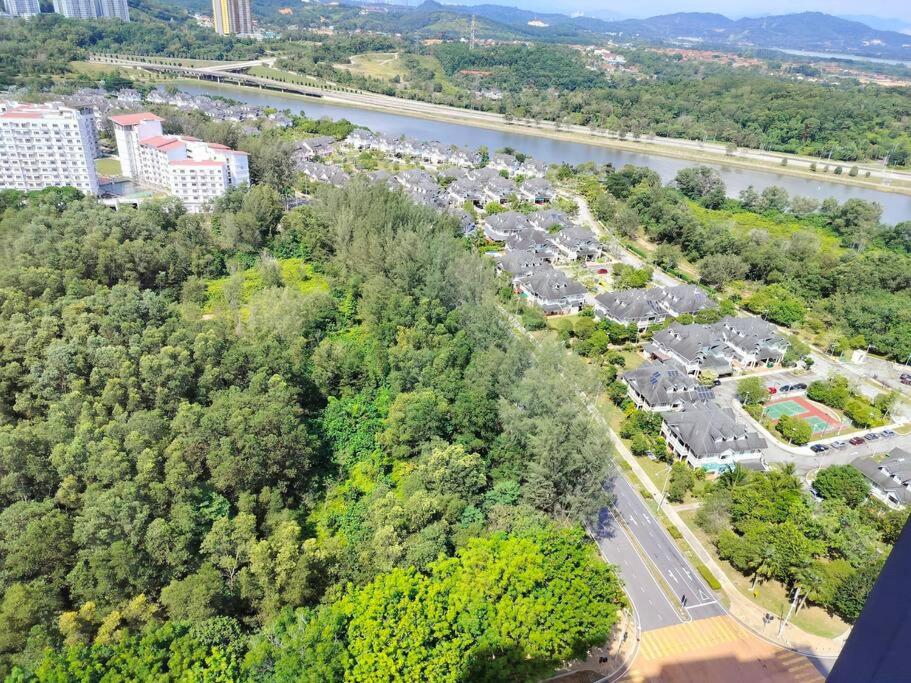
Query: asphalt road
[{"x": 652, "y": 603}]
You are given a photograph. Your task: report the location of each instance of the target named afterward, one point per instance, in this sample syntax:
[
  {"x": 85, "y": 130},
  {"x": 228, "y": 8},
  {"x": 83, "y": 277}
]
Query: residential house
[
  {"x": 683, "y": 299},
  {"x": 466, "y": 190},
  {"x": 531, "y": 168},
  {"x": 417, "y": 182},
  {"x": 696, "y": 347},
  {"x": 629, "y": 307},
  {"x": 534, "y": 240},
  {"x": 325, "y": 173},
  {"x": 313, "y": 147},
  {"x": 664, "y": 385},
  {"x": 710, "y": 437},
  {"x": 537, "y": 191},
  {"x": 499, "y": 226},
  {"x": 754, "y": 341},
  {"x": 463, "y": 157},
  {"x": 551, "y": 220},
  {"x": 360, "y": 138},
  {"x": 553, "y": 291},
  {"x": 890, "y": 477},
  {"x": 520, "y": 263},
  {"x": 577, "y": 243},
  {"x": 504, "y": 162},
  {"x": 499, "y": 189}
]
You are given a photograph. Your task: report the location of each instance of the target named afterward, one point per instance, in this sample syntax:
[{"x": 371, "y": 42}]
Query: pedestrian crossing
[
  {"x": 715, "y": 650},
  {"x": 692, "y": 635}
]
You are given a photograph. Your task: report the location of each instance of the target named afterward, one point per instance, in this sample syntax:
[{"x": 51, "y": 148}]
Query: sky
[{"x": 899, "y": 9}]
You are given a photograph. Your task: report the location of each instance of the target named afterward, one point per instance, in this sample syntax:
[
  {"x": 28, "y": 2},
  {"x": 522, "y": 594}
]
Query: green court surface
[
  {"x": 817, "y": 424},
  {"x": 776, "y": 410}
]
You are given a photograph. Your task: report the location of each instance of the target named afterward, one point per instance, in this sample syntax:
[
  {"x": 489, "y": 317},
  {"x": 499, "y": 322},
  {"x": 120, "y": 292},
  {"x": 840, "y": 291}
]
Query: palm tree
[
  {"x": 811, "y": 580},
  {"x": 765, "y": 564},
  {"x": 732, "y": 477}
]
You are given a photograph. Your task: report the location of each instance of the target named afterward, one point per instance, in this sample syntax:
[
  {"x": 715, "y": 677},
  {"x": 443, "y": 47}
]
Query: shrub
[{"x": 706, "y": 574}]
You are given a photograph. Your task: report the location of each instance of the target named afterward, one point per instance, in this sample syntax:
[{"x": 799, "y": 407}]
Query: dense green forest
[
  {"x": 832, "y": 270},
  {"x": 255, "y": 446}
]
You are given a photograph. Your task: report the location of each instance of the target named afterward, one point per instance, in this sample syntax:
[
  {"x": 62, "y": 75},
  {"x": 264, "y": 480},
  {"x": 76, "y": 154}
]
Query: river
[{"x": 896, "y": 207}]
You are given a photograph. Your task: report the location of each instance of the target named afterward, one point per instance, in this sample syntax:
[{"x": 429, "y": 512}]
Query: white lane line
[
  {"x": 702, "y": 604},
  {"x": 671, "y": 574}
]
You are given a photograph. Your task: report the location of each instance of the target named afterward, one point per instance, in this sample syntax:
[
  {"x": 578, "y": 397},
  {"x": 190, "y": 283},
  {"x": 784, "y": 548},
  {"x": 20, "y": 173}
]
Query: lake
[{"x": 896, "y": 207}]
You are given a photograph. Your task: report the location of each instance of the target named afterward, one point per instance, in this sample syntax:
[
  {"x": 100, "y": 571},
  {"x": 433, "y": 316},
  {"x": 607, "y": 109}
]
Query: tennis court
[{"x": 803, "y": 408}]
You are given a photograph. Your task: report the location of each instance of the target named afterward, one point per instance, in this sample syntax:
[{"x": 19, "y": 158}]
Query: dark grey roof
[
  {"x": 546, "y": 218},
  {"x": 708, "y": 430},
  {"x": 538, "y": 186},
  {"x": 505, "y": 223},
  {"x": 892, "y": 474},
  {"x": 521, "y": 262},
  {"x": 537, "y": 240},
  {"x": 752, "y": 333},
  {"x": 551, "y": 284},
  {"x": 693, "y": 343},
  {"x": 666, "y": 384},
  {"x": 684, "y": 299},
  {"x": 630, "y": 306}
]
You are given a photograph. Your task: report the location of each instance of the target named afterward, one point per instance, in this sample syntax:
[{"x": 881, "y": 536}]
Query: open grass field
[{"x": 382, "y": 65}]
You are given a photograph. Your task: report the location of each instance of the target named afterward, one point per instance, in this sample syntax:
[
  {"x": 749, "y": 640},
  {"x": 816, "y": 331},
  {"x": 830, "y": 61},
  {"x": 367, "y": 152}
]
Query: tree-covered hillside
[{"x": 264, "y": 479}]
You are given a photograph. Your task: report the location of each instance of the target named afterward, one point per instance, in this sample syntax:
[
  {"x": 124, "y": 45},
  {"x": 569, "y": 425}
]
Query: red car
[
  {"x": 857, "y": 441},
  {"x": 602, "y": 271},
  {"x": 772, "y": 390}
]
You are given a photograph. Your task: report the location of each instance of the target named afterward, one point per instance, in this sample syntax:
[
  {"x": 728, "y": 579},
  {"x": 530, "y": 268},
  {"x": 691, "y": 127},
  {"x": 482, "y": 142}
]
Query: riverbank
[{"x": 882, "y": 180}]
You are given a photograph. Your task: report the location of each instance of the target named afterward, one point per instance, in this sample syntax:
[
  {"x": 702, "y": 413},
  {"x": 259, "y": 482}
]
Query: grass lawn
[
  {"x": 771, "y": 595},
  {"x": 108, "y": 167},
  {"x": 382, "y": 65},
  {"x": 295, "y": 273}
]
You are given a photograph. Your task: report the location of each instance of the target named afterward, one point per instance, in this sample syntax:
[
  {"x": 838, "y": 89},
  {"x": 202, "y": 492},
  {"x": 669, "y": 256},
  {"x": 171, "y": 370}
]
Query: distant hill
[{"x": 805, "y": 31}]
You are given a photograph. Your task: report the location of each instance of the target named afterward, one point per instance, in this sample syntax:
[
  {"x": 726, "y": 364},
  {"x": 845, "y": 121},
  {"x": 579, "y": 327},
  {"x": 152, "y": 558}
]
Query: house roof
[
  {"x": 666, "y": 384},
  {"x": 685, "y": 299},
  {"x": 549, "y": 283},
  {"x": 630, "y": 305},
  {"x": 546, "y": 218},
  {"x": 521, "y": 262},
  {"x": 133, "y": 119},
  {"x": 708, "y": 430},
  {"x": 892, "y": 474}
]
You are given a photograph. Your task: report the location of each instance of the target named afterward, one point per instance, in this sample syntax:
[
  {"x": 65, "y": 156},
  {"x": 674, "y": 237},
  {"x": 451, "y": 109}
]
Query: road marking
[
  {"x": 702, "y": 604},
  {"x": 671, "y": 574}
]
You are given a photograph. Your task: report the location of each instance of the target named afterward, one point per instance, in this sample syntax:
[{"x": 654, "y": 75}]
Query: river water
[{"x": 896, "y": 207}]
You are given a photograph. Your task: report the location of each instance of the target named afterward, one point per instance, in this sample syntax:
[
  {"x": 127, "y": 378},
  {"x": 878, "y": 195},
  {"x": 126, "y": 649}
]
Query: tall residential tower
[
  {"x": 232, "y": 17},
  {"x": 44, "y": 145},
  {"x": 92, "y": 9},
  {"x": 20, "y": 8}
]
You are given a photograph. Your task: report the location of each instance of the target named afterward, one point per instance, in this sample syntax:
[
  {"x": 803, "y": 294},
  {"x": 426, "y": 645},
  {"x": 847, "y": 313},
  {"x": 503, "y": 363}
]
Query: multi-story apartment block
[
  {"x": 20, "y": 8},
  {"x": 93, "y": 9},
  {"x": 232, "y": 17},
  {"x": 44, "y": 145},
  {"x": 194, "y": 171}
]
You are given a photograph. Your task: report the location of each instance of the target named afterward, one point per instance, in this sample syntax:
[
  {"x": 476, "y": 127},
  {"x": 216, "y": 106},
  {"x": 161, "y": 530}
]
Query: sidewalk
[{"x": 744, "y": 610}]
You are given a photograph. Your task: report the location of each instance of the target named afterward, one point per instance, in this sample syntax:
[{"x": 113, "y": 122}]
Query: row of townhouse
[
  {"x": 720, "y": 347},
  {"x": 430, "y": 152},
  {"x": 195, "y": 171},
  {"x": 482, "y": 185},
  {"x": 644, "y": 307},
  {"x": 694, "y": 427},
  {"x": 533, "y": 243},
  {"x": 324, "y": 173},
  {"x": 437, "y": 153}
]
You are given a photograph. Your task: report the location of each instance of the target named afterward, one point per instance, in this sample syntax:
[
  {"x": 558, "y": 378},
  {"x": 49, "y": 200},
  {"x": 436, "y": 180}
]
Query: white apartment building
[
  {"x": 194, "y": 171},
  {"x": 21, "y": 8},
  {"x": 93, "y": 9},
  {"x": 45, "y": 145}
]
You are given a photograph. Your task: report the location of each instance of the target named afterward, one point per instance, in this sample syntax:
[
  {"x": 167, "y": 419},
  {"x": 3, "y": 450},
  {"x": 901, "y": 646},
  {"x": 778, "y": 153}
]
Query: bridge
[{"x": 228, "y": 72}]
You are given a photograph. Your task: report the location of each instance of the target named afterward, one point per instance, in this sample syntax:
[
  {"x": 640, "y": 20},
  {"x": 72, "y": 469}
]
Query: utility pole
[{"x": 790, "y": 611}]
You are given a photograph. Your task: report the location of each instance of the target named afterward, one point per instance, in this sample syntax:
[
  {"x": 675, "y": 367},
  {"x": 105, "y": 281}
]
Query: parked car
[
  {"x": 651, "y": 455},
  {"x": 772, "y": 390},
  {"x": 818, "y": 448},
  {"x": 799, "y": 387},
  {"x": 784, "y": 388},
  {"x": 838, "y": 444},
  {"x": 602, "y": 271},
  {"x": 857, "y": 441},
  {"x": 871, "y": 436},
  {"x": 716, "y": 383},
  {"x": 905, "y": 378},
  {"x": 887, "y": 433}
]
